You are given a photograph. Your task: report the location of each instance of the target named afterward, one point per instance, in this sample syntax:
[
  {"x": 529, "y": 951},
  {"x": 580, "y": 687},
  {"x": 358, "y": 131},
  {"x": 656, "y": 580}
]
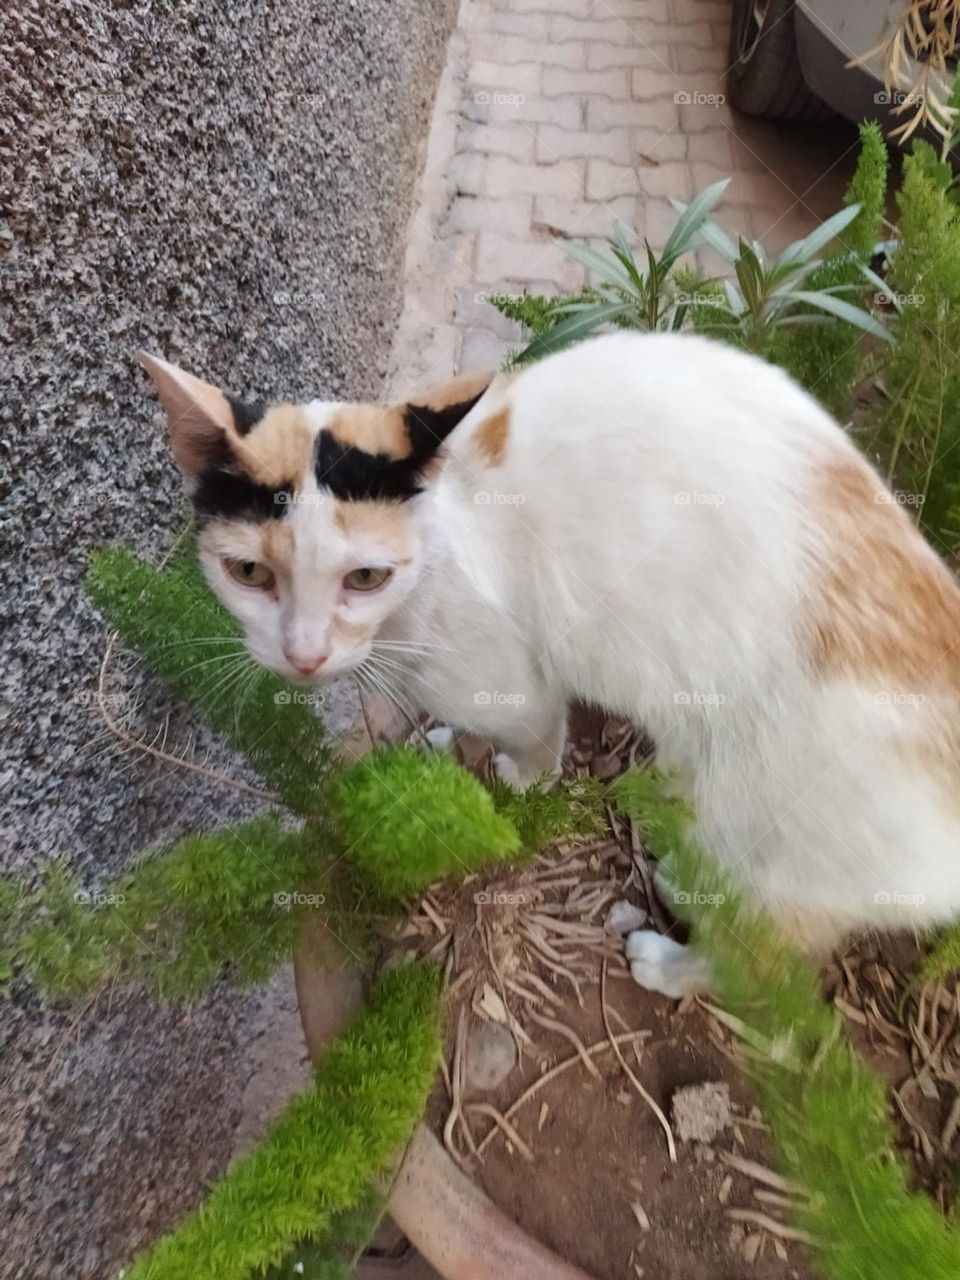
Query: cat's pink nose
[{"x": 306, "y": 664}]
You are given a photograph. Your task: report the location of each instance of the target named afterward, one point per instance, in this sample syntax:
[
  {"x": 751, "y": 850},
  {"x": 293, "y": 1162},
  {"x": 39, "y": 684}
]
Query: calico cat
[{"x": 655, "y": 524}]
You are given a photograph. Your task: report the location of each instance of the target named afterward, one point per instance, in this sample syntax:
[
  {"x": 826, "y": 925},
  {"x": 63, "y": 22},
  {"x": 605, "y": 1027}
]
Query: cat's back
[
  {"x": 741, "y": 493},
  {"x": 669, "y": 393}
]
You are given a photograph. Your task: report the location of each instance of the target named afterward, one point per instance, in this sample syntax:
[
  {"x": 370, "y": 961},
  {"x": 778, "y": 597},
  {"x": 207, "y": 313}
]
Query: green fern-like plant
[
  {"x": 944, "y": 957},
  {"x": 919, "y": 428},
  {"x": 221, "y": 904},
  {"x": 194, "y": 646},
  {"x": 230, "y": 902},
  {"x": 827, "y": 359},
  {"x": 826, "y": 1111},
  {"x": 299, "y": 1190},
  {"x": 409, "y": 819}
]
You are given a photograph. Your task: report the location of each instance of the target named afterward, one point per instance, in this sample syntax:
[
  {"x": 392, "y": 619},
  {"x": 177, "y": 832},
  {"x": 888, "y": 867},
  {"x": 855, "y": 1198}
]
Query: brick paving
[{"x": 553, "y": 118}]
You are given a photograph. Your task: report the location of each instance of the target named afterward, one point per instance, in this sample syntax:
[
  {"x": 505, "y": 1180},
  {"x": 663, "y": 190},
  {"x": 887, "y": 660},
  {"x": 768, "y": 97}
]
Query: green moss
[
  {"x": 321, "y": 1157},
  {"x": 183, "y": 634},
  {"x": 224, "y": 903},
  {"x": 826, "y": 1112},
  {"x": 945, "y": 956},
  {"x": 407, "y": 819}
]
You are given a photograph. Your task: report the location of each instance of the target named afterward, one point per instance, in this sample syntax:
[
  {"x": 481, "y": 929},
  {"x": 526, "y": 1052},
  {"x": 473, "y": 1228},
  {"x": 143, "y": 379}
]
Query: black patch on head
[
  {"x": 352, "y": 474},
  {"x": 428, "y": 428},
  {"x": 246, "y": 414},
  {"x": 224, "y": 491}
]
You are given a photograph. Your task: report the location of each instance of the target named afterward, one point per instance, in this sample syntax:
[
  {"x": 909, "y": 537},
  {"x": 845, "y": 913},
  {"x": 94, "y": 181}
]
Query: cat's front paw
[
  {"x": 508, "y": 771},
  {"x": 440, "y": 739},
  {"x": 660, "y": 964}
]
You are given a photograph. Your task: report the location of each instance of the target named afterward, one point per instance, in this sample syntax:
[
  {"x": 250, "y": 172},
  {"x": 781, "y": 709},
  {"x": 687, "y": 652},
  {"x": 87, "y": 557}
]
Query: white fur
[
  {"x": 647, "y": 544},
  {"x": 647, "y": 540}
]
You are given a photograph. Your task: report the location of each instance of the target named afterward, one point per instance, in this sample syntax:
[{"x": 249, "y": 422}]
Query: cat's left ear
[
  {"x": 429, "y": 418},
  {"x": 204, "y": 421}
]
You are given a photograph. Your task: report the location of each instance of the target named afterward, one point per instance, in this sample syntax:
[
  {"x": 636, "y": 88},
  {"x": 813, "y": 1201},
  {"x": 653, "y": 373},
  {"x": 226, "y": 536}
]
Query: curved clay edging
[
  {"x": 453, "y": 1224},
  {"x": 458, "y": 1228}
]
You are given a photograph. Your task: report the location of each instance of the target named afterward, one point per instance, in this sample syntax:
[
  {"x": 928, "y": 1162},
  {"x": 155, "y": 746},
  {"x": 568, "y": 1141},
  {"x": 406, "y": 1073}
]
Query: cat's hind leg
[{"x": 660, "y": 964}]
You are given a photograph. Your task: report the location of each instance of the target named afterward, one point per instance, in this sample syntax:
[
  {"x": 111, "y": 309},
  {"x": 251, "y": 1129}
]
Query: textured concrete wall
[{"x": 228, "y": 183}]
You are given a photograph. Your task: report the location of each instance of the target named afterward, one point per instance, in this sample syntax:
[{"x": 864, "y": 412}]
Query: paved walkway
[{"x": 556, "y": 116}]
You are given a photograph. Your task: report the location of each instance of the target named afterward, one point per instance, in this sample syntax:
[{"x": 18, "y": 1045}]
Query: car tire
[{"x": 765, "y": 77}]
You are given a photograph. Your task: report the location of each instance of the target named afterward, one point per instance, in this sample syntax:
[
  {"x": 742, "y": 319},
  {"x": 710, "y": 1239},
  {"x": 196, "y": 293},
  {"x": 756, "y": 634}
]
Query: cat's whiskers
[
  {"x": 183, "y": 644},
  {"x": 232, "y": 673},
  {"x": 207, "y": 662},
  {"x": 376, "y": 682},
  {"x": 412, "y": 646}
]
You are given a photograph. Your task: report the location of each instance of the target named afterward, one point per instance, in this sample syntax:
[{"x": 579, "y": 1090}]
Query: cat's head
[{"x": 309, "y": 523}]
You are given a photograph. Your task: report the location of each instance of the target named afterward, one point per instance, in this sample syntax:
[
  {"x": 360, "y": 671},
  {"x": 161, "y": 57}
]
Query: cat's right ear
[{"x": 200, "y": 417}]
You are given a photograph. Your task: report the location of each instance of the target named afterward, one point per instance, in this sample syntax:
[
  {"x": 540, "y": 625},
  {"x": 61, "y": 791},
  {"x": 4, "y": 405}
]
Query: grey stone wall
[{"x": 227, "y": 183}]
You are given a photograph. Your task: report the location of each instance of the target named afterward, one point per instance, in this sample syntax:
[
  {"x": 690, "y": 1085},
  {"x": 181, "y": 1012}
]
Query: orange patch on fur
[
  {"x": 371, "y": 428},
  {"x": 883, "y": 606},
  {"x": 491, "y": 436},
  {"x": 279, "y": 449},
  {"x": 388, "y": 522},
  {"x": 276, "y": 542},
  {"x": 352, "y": 631}
]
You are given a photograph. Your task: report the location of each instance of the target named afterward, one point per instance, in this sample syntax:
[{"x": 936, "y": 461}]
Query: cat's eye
[
  {"x": 250, "y": 573},
  {"x": 366, "y": 579}
]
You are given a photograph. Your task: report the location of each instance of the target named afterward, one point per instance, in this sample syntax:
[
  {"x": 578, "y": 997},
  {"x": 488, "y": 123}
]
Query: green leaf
[
  {"x": 734, "y": 299},
  {"x": 690, "y": 221},
  {"x": 624, "y": 252},
  {"x": 573, "y": 329},
  {"x": 803, "y": 250},
  {"x": 712, "y": 236},
  {"x": 599, "y": 263},
  {"x": 843, "y": 311},
  {"x": 750, "y": 277}
]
